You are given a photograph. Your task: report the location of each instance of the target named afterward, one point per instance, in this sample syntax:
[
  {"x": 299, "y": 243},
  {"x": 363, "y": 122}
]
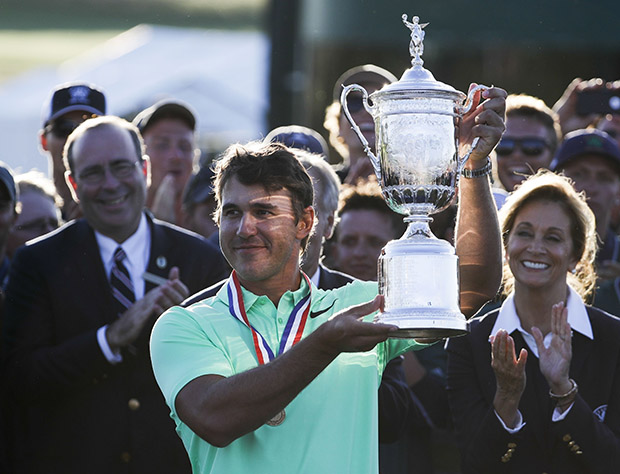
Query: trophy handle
[
  {"x": 462, "y": 110},
  {"x": 343, "y": 102}
]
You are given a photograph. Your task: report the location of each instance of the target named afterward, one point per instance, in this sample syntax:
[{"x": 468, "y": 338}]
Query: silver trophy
[{"x": 418, "y": 165}]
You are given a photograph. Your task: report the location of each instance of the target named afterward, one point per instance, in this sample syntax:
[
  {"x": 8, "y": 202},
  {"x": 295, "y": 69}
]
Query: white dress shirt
[
  {"x": 137, "y": 248},
  {"x": 509, "y": 320}
]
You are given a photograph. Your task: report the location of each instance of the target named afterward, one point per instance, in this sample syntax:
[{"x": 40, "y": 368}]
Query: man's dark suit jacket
[
  {"x": 580, "y": 443},
  {"x": 83, "y": 414}
]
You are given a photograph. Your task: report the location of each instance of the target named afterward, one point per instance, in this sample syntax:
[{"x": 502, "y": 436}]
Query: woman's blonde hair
[{"x": 548, "y": 186}]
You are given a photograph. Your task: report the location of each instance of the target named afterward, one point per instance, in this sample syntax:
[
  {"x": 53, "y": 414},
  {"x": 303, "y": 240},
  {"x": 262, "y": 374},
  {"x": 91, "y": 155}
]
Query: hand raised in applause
[
  {"x": 126, "y": 329},
  {"x": 555, "y": 359},
  {"x": 164, "y": 201},
  {"x": 509, "y": 376}
]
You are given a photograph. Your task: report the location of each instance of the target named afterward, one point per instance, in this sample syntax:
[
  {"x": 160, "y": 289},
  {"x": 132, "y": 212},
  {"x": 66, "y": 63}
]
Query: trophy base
[{"x": 421, "y": 323}]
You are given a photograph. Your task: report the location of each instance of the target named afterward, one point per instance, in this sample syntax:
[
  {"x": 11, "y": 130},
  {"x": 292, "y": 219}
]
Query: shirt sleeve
[
  {"x": 560, "y": 415},
  {"x": 516, "y": 429},
  {"x": 112, "y": 357},
  {"x": 181, "y": 351}
]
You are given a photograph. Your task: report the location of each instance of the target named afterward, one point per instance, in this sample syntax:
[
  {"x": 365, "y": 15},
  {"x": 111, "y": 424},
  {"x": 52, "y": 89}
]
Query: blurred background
[{"x": 248, "y": 66}]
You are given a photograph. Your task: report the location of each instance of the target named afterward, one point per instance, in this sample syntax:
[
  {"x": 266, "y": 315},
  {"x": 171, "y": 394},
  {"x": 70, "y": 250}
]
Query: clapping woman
[{"x": 535, "y": 386}]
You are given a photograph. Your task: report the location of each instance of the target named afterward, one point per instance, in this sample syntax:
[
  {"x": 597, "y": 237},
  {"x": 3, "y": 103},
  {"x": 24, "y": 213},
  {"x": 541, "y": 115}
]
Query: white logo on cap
[{"x": 79, "y": 95}]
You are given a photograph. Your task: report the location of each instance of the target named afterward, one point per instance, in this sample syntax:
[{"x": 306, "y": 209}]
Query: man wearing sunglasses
[
  {"x": 68, "y": 106},
  {"x": 529, "y": 142}
]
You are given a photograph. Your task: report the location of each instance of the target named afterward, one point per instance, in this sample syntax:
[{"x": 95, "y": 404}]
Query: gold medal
[{"x": 278, "y": 419}]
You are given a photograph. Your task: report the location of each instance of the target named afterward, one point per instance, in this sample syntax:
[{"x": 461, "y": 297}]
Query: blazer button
[
  {"x": 125, "y": 457},
  {"x": 566, "y": 438},
  {"x": 134, "y": 404}
]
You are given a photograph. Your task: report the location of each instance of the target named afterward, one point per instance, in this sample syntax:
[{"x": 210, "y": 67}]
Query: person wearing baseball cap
[
  {"x": 298, "y": 136},
  {"x": 68, "y": 106},
  {"x": 168, "y": 128},
  {"x": 199, "y": 203},
  {"x": 591, "y": 158},
  {"x": 356, "y": 164}
]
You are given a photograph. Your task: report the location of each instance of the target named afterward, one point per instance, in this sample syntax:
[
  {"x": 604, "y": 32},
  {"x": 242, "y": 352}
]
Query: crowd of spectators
[{"x": 127, "y": 227}]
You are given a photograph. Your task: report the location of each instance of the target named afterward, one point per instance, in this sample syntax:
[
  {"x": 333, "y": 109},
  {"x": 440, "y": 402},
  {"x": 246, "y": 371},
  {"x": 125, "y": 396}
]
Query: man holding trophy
[{"x": 275, "y": 375}]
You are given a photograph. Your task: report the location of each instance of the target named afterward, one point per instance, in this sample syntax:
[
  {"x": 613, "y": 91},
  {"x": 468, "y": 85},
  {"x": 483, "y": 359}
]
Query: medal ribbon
[{"x": 292, "y": 331}]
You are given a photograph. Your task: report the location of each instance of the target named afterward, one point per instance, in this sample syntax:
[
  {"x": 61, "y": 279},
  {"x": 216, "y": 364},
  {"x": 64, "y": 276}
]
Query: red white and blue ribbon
[{"x": 292, "y": 331}]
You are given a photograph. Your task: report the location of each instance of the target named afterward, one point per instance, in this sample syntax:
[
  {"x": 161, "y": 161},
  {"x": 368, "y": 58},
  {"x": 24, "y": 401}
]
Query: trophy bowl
[{"x": 418, "y": 165}]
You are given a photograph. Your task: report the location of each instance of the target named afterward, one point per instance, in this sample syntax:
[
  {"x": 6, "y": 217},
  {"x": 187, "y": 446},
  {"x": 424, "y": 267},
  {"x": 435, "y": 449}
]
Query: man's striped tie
[{"x": 120, "y": 281}]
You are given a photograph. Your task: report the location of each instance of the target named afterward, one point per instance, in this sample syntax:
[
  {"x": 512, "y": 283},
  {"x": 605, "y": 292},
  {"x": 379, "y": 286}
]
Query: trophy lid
[{"x": 418, "y": 79}]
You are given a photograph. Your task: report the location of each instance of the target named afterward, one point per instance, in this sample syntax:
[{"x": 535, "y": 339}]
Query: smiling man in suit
[{"x": 81, "y": 303}]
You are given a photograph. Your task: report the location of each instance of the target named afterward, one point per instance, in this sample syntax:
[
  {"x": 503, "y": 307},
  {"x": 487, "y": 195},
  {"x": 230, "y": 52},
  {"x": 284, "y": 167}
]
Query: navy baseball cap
[
  {"x": 200, "y": 187},
  {"x": 297, "y": 136},
  {"x": 586, "y": 142},
  {"x": 74, "y": 96},
  {"x": 365, "y": 74},
  {"x": 168, "y": 108}
]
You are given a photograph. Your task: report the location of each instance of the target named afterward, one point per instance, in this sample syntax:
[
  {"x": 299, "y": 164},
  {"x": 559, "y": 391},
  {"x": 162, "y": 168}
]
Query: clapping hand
[
  {"x": 555, "y": 359},
  {"x": 509, "y": 375},
  {"x": 127, "y": 328}
]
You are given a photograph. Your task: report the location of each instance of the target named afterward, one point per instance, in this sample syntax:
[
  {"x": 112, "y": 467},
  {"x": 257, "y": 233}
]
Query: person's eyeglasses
[
  {"x": 528, "y": 146},
  {"x": 40, "y": 226},
  {"x": 119, "y": 169}
]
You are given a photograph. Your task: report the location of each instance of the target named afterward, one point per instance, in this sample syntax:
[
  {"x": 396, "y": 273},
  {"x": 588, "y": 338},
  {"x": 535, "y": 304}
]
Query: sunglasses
[
  {"x": 62, "y": 128},
  {"x": 528, "y": 146}
]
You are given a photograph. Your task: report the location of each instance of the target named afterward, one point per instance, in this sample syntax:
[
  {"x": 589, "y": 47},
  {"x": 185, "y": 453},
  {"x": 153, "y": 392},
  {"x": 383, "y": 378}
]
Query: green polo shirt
[{"x": 330, "y": 427}]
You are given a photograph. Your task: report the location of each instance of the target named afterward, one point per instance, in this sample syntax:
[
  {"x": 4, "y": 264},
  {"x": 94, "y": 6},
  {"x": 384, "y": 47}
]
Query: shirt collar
[
  {"x": 250, "y": 298},
  {"x": 577, "y": 316},
  {"x": 133, "y": 246},
  {"x": 316, "y": 277}
]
